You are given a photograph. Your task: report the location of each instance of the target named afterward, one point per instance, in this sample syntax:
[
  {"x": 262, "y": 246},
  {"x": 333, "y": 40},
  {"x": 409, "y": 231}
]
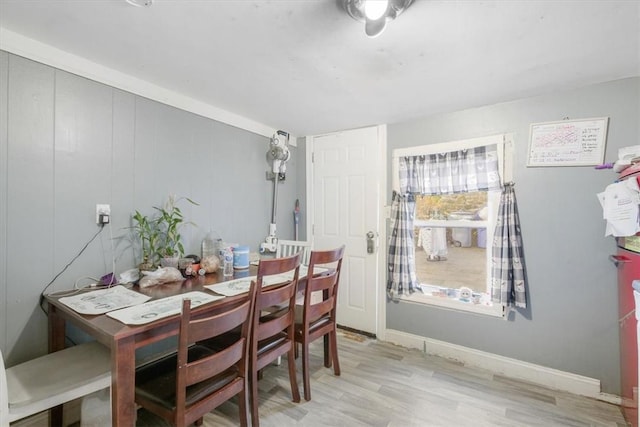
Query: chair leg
[
  {"x": 292, "y": 374},
  {"x": 242, "y": 405},
  {"x": 199, "y": 421},
  {"x": 333, "y": 348},
  {"x": 305, "y": 371},
  {"x": 55, "y": 415},
  {"x": 255, "y": 421}
]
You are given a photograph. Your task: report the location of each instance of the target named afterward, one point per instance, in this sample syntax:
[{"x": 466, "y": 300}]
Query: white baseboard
[{"x": 512, "y": 368}]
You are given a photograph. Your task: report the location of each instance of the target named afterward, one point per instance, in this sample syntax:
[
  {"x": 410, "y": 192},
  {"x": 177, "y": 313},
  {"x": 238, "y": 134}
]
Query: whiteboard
[{"x": 568, "y": 142}]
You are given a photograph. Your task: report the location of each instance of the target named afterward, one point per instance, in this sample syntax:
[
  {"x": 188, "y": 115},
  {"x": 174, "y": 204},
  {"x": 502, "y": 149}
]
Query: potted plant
[
  {"x": 148, "y": 233},
  {"x": 160, "y": 238},
  {"x": 169, "y": 223}
]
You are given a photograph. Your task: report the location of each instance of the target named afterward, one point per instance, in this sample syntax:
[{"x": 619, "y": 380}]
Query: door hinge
[{"x": 313, "y": 157}]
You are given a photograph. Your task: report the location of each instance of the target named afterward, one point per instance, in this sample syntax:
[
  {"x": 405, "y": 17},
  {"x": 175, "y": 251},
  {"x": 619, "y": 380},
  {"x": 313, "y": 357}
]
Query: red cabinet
[{"x": 628, "y": 263}]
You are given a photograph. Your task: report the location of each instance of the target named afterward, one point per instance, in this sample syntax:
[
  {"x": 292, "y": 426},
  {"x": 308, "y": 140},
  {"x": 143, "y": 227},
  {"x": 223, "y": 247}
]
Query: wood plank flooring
[{"x": 383, "y": 385}]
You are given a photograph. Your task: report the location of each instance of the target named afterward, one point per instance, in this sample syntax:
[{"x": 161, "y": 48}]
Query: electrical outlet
[{"x": 103, "y": 214}]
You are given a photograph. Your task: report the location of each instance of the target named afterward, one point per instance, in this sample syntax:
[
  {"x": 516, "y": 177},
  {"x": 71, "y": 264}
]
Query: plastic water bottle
[{"x": 227, "y": 265}]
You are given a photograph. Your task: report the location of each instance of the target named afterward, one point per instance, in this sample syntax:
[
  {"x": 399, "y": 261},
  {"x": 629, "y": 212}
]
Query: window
[
  {"x": 452, "y": 237},
  {"x": 452, "y": 258}
]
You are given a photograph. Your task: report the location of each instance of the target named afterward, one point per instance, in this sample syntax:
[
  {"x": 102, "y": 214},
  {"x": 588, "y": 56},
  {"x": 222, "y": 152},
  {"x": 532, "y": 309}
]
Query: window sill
[{"x": 453, "y": 304}]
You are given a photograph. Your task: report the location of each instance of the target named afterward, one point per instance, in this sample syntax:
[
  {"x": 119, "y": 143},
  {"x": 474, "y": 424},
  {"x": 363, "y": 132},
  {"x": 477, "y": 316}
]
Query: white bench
[{"x": 51, "y": 380}]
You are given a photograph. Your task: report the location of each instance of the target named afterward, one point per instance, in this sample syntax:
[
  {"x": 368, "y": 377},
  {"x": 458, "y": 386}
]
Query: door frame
[{"x": 383, "y": 216}]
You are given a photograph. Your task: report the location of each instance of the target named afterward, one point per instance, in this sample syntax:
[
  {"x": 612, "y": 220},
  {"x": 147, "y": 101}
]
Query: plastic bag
[
  {"x": 159, "y": 276},
  {"x": 210, "y": 264}
]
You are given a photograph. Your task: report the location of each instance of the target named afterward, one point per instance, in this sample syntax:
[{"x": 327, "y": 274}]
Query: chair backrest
[
  {"x": 286, "y": 248},
  {"x": 281, "y": 295},
  {"x": 326, "y": 281},
  {"x": 195, "y": 327}
]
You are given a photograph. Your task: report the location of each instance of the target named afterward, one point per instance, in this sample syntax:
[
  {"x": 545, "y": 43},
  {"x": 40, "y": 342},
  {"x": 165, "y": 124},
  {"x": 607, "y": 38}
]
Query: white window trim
[
  {"x": 496, "y": 310},
  {"x": 504, "y": 143}
]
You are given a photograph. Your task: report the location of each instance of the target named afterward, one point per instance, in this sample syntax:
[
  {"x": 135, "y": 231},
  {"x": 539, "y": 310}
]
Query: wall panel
[
  {"x": 83, "y": 164},
  {"x": 4, "y": 82},
  {"x": 122, "y": 174},
  {"x": 30, "y": 206}
]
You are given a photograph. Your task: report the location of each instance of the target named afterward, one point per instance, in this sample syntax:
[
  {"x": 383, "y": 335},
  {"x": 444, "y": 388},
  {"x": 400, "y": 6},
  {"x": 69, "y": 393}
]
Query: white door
[{"x": 346, "y": 205}]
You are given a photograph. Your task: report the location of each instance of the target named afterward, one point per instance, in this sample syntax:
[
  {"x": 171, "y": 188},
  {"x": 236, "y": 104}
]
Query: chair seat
[
  {"x": 156, "y": 381},
  {"x": 270, "y": 343},
  {"x": 57, "y": 378},
  {"x": 316, "y": 324}
]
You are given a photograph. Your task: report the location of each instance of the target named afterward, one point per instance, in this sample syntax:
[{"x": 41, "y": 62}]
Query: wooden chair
[
  {"x": 286, "y": 248},
  {"x": 315, "y": 319},
  {"x": 53, "y": 379},
  {"x": 273, "y": 332},
  {"x": 184, "y": 386}
]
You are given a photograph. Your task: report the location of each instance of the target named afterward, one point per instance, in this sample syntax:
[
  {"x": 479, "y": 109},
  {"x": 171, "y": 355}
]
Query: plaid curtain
[
  {"x": 401, "y": 260},
  {"x": 508, "y": 272},
  {"x": 473, "y": 169}
]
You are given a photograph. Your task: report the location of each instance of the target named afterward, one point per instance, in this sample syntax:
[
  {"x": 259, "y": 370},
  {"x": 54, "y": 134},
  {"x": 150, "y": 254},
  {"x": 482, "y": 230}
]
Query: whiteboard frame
[{"x": 601, "y": 141}]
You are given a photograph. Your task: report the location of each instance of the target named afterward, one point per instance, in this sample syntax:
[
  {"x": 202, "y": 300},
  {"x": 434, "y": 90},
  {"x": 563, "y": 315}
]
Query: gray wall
[
  {"x": 572, "y": 320},
  {"x": 68, "y": 143}
]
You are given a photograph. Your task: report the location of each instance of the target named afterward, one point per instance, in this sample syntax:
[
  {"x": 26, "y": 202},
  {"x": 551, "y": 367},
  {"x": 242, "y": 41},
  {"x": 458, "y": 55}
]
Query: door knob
[{"x": 371, "y": 246}]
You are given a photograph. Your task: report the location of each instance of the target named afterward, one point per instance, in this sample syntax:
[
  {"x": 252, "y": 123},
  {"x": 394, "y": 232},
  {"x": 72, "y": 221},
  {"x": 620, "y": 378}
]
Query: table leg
[
  {"x": 123, "y": 368},
  {"x": 327, "y": 356},
  {"x": 56, "y": 343},
  {"x": 325, "y": 339}
]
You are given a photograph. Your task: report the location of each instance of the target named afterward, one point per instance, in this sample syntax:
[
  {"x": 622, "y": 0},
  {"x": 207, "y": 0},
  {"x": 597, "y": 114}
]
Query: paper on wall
[
  {"x": 629, "y": 152},
  {"x": 620, "y": 208}
]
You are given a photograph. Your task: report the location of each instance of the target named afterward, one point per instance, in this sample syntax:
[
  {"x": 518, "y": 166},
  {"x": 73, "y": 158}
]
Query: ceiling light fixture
[
  {"x": 375, "y": 13},
  {"x": 140, "y": 3},
  {"x": 375, "y": 9}
]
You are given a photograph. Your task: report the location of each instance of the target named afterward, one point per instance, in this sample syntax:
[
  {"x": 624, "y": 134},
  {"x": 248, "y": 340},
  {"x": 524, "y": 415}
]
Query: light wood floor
[{"x": 386, "y": 385}]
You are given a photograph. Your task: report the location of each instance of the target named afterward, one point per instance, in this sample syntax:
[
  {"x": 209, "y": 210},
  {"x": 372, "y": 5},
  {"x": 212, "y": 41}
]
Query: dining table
[{"x": 124, "y": 339}]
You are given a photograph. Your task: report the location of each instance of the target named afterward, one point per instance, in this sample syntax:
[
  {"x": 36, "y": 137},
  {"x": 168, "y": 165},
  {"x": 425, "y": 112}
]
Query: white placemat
[
  {"x": 232, "y": 287},
  {"x": 240, "y": 286},
  {"x": 160, "y": 308},
  {"x": 104, "y": 300}
]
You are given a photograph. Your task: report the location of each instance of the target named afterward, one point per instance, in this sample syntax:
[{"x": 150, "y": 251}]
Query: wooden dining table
[{"x": 124, "y": 340}]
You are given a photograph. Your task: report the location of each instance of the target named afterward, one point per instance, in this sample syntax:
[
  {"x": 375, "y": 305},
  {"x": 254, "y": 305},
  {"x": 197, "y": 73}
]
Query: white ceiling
[{"x": 306, "y": 67}]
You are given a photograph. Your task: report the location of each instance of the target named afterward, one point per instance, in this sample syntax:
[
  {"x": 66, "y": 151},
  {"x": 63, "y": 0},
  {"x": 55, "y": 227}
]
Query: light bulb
[{"x": 375, "y": 9}]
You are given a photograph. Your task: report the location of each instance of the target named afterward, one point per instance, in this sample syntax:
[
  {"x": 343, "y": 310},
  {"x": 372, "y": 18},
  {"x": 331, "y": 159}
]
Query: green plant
[
  {"x": 160, "y": 235},
  {"x": 149, "y": 236},
  {"x": 169, "y": 222}
]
